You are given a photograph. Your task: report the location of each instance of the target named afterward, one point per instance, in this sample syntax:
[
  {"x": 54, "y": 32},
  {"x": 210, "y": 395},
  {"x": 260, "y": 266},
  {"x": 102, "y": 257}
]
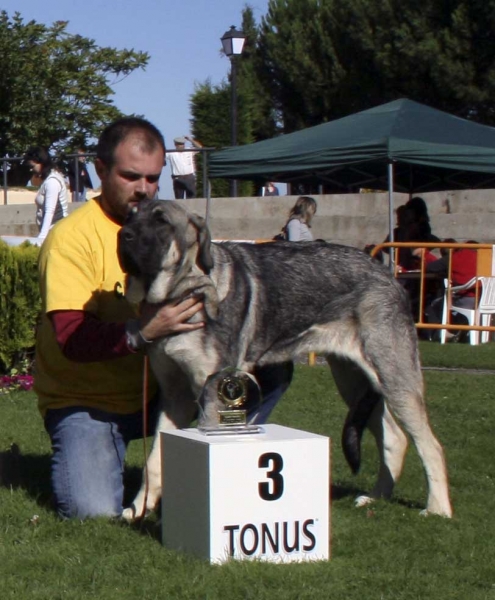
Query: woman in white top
[
  {"x": 52, "y": 197},
  {"x": 299, "y": 224}
]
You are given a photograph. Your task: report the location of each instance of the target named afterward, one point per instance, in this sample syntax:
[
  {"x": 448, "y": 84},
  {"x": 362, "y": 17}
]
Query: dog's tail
[{"x": 354, "y": 426}]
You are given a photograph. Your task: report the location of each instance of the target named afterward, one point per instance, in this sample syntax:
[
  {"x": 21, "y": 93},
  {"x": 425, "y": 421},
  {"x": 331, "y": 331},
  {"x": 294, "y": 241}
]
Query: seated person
[
  {"x": 413, "y": 225},
  {"x": 464, "y": 268}
]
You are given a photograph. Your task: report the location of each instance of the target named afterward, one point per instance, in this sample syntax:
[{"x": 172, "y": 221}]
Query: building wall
[{"x": 350, "y": 219}]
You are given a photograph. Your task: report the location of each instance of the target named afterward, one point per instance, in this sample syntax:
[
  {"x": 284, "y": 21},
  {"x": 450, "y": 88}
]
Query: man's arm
[
  {"x": 439, "y": 266},
  {"x": 52, "y": 191},
  {"x": 83, "y": 337},
  {"x": 194, "y": 142}
]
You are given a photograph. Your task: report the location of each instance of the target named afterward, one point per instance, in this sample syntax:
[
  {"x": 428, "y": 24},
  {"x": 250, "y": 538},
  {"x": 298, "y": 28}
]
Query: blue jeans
[{"x": 89, "y": 446}]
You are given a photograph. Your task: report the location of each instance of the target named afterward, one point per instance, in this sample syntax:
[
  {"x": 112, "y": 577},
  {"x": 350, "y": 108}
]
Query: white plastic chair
[
  {"x": 472, "y": 315},
  {"x": 486, "y": 307}
]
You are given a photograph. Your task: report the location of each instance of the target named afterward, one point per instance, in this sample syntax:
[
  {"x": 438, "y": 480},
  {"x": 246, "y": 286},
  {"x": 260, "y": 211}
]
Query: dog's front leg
[
  {"x": 150, "y": 492},
  {"x": 177, "y": 410}
]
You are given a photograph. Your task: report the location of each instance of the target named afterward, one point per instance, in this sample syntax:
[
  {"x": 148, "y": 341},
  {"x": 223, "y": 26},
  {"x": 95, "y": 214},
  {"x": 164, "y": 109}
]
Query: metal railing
[
  {"x": 484, "y": 269},
  {"x": 7, "y": 160},
  {"x": 485, "y": 258}
]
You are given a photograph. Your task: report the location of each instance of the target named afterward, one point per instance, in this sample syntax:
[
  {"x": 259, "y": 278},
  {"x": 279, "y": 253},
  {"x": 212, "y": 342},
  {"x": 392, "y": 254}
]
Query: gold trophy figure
[{"x": 224, "y": 402}]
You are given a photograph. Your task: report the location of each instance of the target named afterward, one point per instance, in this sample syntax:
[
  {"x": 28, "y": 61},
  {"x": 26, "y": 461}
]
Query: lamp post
[{"x": 233, "y": 44}]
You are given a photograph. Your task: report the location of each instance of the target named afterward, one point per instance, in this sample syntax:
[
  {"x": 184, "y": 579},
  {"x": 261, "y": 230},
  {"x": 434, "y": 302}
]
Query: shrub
[{"x": 20, "y": 303}]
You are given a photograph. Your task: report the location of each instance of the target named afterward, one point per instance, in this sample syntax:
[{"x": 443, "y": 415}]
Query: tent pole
[
  {"x": 208, "y": 203},
  {"x": 391, "y": 213}
]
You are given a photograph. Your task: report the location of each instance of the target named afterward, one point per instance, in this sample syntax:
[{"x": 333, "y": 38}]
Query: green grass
[
  {"x": 462, "y": 356},
  {"x": 384, "y": 552}
]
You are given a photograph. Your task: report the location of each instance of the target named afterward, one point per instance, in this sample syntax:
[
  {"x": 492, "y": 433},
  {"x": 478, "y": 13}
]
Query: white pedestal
[{"x": 263, "y": 496}]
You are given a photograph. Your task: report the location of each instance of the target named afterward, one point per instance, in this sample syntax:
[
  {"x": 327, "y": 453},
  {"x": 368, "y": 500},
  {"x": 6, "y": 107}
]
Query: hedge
[{"x": 20, "y": 303}]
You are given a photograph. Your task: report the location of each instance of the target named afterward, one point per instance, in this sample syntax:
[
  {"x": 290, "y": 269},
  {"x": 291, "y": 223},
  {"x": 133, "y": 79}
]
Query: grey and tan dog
[{"x": 267, "y": 303}]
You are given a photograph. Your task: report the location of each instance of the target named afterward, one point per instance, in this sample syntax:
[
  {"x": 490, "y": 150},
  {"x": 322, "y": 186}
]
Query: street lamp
[{"x": 233, "y": 44}]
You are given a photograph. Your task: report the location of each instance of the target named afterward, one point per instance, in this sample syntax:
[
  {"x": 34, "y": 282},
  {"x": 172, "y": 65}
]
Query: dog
[{"x": 267, "y": 303}]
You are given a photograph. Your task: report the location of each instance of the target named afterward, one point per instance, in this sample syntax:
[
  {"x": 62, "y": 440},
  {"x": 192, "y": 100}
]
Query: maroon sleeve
[{"x": 82, "y": 337}]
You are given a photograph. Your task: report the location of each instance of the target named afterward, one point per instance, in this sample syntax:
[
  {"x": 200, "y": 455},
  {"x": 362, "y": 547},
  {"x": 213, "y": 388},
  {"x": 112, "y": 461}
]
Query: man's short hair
[{"x": 119, "y": 130}]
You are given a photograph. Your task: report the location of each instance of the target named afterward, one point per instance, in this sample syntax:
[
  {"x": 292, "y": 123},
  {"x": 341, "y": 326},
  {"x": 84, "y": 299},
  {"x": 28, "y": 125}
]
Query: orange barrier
[{"x": 485, "y": 267}]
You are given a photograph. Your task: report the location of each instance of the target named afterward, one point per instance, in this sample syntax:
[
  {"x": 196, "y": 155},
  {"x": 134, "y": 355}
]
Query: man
[
  {"x": 183, "y": 168},
  {"x": 80, "y": 184},
  {"x": 89, "y": 359}
]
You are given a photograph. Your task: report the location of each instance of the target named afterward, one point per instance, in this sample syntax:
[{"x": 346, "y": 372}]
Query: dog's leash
[{"x": 145, "y": 433}]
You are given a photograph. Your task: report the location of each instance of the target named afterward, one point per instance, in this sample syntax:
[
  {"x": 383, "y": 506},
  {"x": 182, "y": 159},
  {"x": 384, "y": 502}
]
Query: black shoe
[
  {"x": 425, "y": 335},
  {"x": 456, "y": 338}
]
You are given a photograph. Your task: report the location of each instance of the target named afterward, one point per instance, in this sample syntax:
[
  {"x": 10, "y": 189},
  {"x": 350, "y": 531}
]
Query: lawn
[{"x": 384, "y": 552}]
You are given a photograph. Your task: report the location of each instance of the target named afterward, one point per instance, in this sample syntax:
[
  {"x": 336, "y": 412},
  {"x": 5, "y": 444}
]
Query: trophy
[{"x": 225, "y": 400}]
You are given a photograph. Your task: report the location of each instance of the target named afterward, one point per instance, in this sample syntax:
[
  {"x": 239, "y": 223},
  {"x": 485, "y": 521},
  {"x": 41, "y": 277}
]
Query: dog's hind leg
[
  {"x": 367, "y": 409},
  {"x": 395, "y": 362},
  {"x": 392, "y": 445},
  {"x": 355, "y": 389},
  {"x": 411, "y": 412}
]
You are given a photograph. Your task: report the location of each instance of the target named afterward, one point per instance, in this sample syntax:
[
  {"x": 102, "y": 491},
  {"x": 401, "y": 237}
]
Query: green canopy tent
[{"x": 403, "y": 146}]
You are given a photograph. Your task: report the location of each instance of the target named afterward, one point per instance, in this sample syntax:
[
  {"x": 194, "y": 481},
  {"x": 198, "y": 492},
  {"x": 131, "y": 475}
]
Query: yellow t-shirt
[{"x": 79, "y": 270}]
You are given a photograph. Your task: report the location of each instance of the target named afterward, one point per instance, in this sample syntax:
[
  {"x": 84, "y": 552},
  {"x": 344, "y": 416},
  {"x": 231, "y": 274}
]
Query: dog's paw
[
  {"x": 363, "y": 501},
  {"x": 129, "y": 514},
  {"x": 426, "y": 513}
]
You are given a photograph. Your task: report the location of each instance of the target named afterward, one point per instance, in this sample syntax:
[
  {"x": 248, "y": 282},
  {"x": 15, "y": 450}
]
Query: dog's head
[{"x": 161, "y": 238}]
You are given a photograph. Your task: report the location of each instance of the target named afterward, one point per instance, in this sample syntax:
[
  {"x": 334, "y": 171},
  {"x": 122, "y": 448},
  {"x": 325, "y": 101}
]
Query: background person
[
  {"x": 270, "y": 189},
  {"x": 90, "y": 342},
  {"x": 52, "y": 197},
  {"x": 183, "y": 168},
  {"x": 418, "y": 223},
  {"x": 464, "y": 268},
  {"x": 299, "y": 222},
  {"x": 83, "y": 179}
]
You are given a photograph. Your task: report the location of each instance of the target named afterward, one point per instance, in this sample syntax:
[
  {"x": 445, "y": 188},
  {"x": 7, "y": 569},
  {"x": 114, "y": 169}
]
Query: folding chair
[
  {"x": 472, "y": 315},
  {"x": 486, "y": 307}
]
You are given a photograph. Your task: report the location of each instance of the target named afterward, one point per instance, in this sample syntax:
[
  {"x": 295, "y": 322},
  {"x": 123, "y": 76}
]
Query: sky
[{"x": 181, "y": 36}]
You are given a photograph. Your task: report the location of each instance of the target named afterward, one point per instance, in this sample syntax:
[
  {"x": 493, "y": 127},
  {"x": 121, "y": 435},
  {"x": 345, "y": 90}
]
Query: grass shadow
[
  {"x": 150, "y": 526},
  {"x": 30, "y": 472},
  {"x": 341, "y": 491}
]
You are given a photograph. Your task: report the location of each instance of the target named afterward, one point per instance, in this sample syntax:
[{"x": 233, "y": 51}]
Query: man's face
[{"x": 132, "y": 178}]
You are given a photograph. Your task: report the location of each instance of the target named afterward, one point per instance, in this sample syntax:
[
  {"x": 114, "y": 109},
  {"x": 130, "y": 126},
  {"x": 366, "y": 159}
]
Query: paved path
[
  {"x": 461, "y": 370},
  {"x": 320, "y": 360}
]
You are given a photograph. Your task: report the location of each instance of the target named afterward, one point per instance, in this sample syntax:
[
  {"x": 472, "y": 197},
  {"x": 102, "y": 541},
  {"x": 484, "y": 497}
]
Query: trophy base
[{"x": 231, "y": 430}]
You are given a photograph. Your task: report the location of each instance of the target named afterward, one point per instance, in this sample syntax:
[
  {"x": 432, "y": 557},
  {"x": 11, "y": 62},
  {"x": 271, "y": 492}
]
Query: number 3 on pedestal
[{"x": 271, "y": 490}]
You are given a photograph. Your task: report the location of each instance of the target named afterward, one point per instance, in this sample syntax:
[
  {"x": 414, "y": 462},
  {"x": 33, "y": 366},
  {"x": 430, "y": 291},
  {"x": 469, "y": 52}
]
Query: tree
[
  {"x": 211, "y": 124},
  {"x": 56, "y": 88},
  {"x": 210, "y": 110},
  {"x": 211, "y": 105},
  {"x": 329, "y": 58}
]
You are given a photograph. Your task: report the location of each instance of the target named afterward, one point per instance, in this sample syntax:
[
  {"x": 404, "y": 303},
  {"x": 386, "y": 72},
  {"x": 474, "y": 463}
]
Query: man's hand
[{"x": 158, "y": 320}]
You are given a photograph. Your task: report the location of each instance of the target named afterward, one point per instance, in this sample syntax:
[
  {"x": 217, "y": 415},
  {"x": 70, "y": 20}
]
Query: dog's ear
[{"x": 205, "y": 257}]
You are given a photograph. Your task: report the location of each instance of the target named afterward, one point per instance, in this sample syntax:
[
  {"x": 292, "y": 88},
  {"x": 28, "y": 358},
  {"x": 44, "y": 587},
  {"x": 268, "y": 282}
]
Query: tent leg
[
  {"x": 208, "y": 203},
  {"x": 391, "y": 214}
]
